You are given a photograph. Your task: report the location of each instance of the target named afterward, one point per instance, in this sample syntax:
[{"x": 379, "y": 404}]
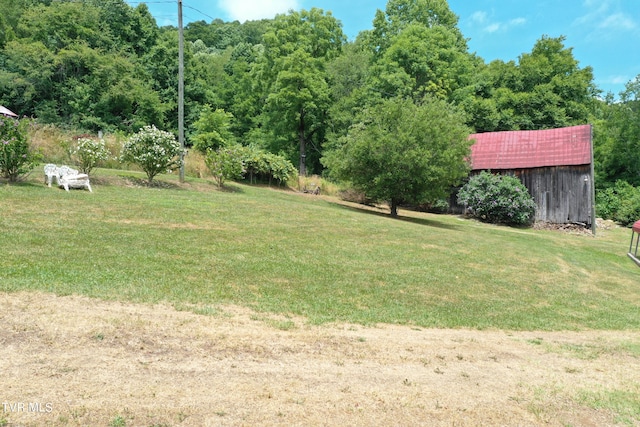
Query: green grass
[
  {"x": 278, "y": 252},
  {"x": 624, "y": 403}
]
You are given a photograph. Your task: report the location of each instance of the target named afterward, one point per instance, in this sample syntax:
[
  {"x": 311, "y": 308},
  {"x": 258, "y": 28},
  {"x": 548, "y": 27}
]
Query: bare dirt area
[{"x": 71, "y": 361}]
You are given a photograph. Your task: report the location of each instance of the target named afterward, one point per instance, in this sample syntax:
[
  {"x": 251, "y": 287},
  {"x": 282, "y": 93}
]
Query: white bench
[
  {"x": 66, "y": 177},
  {"x": 51, "y": 171}
]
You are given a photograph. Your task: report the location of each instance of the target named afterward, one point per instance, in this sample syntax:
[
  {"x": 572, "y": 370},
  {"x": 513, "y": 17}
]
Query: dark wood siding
[{"x": 562, "y": 193}]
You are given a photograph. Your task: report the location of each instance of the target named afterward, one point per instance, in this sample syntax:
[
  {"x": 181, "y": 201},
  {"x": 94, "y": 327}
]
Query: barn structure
[{"x": 556, "y": 166}]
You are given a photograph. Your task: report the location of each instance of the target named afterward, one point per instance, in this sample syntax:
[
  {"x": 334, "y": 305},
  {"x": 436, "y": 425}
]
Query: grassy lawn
[{"x": 195, "y": 247}]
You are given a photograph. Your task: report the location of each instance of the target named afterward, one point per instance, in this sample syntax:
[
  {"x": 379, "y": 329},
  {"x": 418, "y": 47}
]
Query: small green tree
[
  {"x": 400, "y": 152},
  {"x": 16, "y": 159},
  {"x": 498, "y": 199},
  {"x": 212, "y": 130},
  {"x": 225, "y": 163},
  {"x": 154, "y": 150},
  {"x": 88, "y": 153}
]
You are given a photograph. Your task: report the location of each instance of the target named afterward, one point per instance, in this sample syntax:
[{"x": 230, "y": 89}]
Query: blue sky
[{"x": 604, "y": 34}]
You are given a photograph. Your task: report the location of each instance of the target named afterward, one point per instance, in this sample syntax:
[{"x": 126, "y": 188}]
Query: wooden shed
[{"x": 556, "y": 166}]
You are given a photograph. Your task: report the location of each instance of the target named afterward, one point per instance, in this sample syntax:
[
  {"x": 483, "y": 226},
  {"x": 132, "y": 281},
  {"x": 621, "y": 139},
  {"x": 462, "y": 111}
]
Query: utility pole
[{"x": 181, "y": 90}]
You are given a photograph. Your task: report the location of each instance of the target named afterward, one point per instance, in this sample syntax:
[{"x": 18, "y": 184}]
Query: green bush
[
  {"x": 16, "y": 158},
  {"x": 498, "y": 199},
  {"x": 225, "y": 163},
  {"x": 620, "y": 203},
  {"x": 261, "y": 165}
]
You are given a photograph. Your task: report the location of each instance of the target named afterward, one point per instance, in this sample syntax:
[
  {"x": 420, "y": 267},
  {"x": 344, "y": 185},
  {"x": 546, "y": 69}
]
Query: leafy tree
[
  {"x": 212, "y": 130},
  {"x": 16, "y": 158},
  {"x": 349, "y": 76},
  {"x": 399, "y": 14},
  {"x": 154, "y": 150},
  {"x": 70, "y": 64},
  {"x": 292, "y": 70},
  {"x": 545, "y": 89},
  {"x": 401, "y": 152},
  {"x": 617, "y": 138},
  {"x": 427, "y": 60}
]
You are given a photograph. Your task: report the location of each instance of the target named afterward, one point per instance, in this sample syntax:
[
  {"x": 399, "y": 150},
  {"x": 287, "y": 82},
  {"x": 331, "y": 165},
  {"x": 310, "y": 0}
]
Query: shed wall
[{"x": 562, "y": 193}]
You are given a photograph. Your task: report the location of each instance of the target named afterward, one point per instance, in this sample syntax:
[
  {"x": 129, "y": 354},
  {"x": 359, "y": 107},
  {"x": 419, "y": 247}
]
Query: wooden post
[
  {"x": 593, "y": 188},
  {"x": 181, "y": 89}
]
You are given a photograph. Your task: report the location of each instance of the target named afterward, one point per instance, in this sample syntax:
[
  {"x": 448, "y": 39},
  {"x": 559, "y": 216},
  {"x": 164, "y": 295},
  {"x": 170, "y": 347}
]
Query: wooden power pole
[{"x": 181, "y": 90}]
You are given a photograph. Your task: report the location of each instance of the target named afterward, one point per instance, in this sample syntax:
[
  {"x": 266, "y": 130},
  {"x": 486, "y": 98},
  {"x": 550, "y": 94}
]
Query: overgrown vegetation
[
  {"x": 500, "y": 199},
  {"x": 293, "y": 86},
  {"x": 620, "y": 203}
]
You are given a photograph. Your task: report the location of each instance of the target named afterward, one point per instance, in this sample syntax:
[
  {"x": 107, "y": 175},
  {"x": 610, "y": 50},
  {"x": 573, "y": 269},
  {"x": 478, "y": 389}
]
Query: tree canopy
[
  {"x": 401, "y": 152},
  {"x": 293, "y": 84}
]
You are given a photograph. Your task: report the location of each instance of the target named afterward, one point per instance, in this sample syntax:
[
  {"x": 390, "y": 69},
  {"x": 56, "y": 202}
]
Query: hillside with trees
[{"x": 294, "y": 85}]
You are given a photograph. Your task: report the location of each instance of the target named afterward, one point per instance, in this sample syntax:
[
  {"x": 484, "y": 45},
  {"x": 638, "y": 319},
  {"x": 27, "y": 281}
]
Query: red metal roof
[{"x": 531, "y": 148}]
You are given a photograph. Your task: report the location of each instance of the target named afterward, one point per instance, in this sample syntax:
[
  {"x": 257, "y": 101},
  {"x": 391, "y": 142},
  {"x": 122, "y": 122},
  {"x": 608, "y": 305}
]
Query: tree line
[{"x": 294, "y": 85}]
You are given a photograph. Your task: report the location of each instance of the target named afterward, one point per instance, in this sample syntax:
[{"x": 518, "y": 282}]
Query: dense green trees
[
  {"x": 293, "y": 85},
  {"x": 545, "y": 89},
  {"x": 293, "y": 77}
]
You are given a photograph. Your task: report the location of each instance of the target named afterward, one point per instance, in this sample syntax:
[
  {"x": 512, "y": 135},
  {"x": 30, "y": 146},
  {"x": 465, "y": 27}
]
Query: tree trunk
[
  {"x": 302, "y": 171},
  {"x": 394, "y": 209}
]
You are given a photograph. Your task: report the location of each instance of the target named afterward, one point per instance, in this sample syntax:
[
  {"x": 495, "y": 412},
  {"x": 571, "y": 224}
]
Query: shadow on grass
[
  {"x": 23, "y": 183},
  {"x": 227, "y": 188},
  {"x": 369, "y": 210},
  {"x": 141, "y": 182}
]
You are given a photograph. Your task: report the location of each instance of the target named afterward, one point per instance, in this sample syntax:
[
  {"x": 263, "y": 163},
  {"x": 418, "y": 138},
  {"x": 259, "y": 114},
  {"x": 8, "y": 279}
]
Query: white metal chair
[
  {"x": 51, "y": 171},
  {"x": 70, "y": 178}
]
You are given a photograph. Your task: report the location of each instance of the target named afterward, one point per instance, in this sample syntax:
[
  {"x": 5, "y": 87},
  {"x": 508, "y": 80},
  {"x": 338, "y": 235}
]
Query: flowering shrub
[
  {"x": 154, "y": 150},
  {"x": 225, "y": 163},
  {"x": 498, "y": 199},
  {"x": 88, "y": 153},
  {"x": 16, "y": 159}
]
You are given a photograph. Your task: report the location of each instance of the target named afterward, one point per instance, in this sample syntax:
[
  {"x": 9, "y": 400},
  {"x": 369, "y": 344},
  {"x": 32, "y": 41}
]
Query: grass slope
[{"x": 196, "y": 247}]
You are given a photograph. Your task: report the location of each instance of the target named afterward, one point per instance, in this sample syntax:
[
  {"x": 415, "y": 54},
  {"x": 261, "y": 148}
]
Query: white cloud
[
  {"x": 606, "y": 17},
  {"x": 249, "y": 10},
  {"x": 618, "y": 21},
  {"x": 480, "y": 18},
  {"x": 617, "y": 80},
  {"x": 516, "y": 22}
]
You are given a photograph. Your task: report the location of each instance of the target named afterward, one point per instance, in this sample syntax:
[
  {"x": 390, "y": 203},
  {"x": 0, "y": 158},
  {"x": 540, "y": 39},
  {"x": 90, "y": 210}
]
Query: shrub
[
  {"x": 498, "y": 199},
  {"x": 16, "y": 158},
  {"x": 87, "y": 153},
  {"x": 154, "y": 150},
  {"x": 620, "y": 203},
  {"x": 260, "y": 164},
  {"x": 225, "y": 163}
]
